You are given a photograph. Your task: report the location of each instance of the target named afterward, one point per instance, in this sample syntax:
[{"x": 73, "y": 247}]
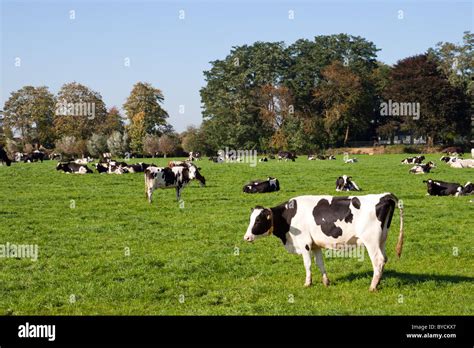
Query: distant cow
[
  {"x": 35, "y": 156},
  {"x": 4, "y": 157},
  {"x": 453, "y": 150},
  {"x": 216, "y": 159},
  {"x": 468, "y": 189},
  {"x": 71, "y": 167},
  {"x": 263, "y": 159},
  {"x": 194, "y": 156},
  {"x": 442, "y": 188},
  {"x": 83, "y": 160},
  {"x": 306, "y": 224},
  {"x": 157, "y": 177},
  {"x": 422, "y": 168},
  {"x": 351, "y": 160},
  {"x": 262, "y": 186},
  {"x": 286, "y": 155},
  {"x": 414, "y": 160},
  {"x": 321, "y": 157},
  {"x": 137, "y": 168},
  {"x": 345, "y": 183}
]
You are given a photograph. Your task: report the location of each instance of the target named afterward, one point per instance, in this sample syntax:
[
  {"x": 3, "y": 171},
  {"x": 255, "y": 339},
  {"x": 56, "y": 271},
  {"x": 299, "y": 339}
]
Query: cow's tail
[{"x": 399, "y": 247}]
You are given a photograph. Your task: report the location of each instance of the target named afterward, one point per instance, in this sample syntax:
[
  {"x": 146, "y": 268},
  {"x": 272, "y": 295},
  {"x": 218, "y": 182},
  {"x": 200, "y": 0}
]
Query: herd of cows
[{"x": 304, "y": 224}]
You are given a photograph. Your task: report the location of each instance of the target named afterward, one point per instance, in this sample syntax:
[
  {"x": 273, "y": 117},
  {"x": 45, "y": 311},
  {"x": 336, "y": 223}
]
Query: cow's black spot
[
  {"x": 385, "y": 208},
  {"x": 306, "y": 247},
  {"x": 262, "y": 222},
  {"x": 325, "y": 215},
  {"x": 356, "y": 202},
  {"x": 282, "y": 216},
  {"x": 168, "y": 176}
]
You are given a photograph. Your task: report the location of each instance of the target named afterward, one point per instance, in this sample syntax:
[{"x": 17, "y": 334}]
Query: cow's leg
[
  {"x": 178, "y": 193},
  {"x": 149, "y": 194},
  {"x": 318, "y": 258},
  {"x": 378, "y": 261},
  {"x": 307, "y": 265}
]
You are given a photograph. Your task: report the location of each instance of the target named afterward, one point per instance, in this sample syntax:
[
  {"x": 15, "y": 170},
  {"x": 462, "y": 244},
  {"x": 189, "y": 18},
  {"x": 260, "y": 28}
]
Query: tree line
[{"x": 305, "y": 97}]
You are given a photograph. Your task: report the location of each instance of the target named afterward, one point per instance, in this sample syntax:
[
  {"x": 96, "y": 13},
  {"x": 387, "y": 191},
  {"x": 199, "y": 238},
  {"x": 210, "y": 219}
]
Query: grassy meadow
[{"x": 103, "y": 250}]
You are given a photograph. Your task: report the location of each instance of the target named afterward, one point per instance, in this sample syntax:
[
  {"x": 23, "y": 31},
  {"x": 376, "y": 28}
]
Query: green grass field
[{"x": 193, "y": 260}]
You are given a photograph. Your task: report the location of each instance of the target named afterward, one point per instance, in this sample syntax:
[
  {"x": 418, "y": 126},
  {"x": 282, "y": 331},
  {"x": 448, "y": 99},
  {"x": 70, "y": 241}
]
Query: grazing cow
[
  {"x": 34, "y": 157},
  {"x": 262, "y": 186},
  {"x": 442, "y": 188},
  {"x": 286, "y": 155},
  {"x": 351, "y": 160},
  {"x": 194, "y": 156},
  {"x": 422, "y": 168},
  {"x": 71, "y": 167},
  {"x": 306, "y": 224},
  {"x": 414, "y": 160},
  {"x": 157, "y": 177},
  {"x": 193, "y": 169},
  {"x": 4, "y": 157},
  {"x": 345, "y": 183}
]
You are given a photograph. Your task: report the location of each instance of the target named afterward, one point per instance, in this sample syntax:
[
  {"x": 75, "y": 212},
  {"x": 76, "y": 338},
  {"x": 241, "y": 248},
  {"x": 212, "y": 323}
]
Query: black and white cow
[
  {"x": 138, "y": 167},
  {"x": 4, "y": 157},
  {"x": 194, "y": 168},
  {"x": 461, "y": 163},
  {"x": 35, "y": 156},
  {"x": 194, "y": 156},
  {"x": 442, "y": 188},
  {"x": 262, "y": 186},
  {"x": 414, "y": 160},
  {"x": 306, "y": 224},
  {"x": 351, "y": 160},
  {"x": 158, "y": 177},
  {"x": 216, "y": 159},
  {"x": 345, "y": 183},
  {"x": 71, "y": 167},
  {"x": 468, "y": 189},
  {"x": 422, "y": 168},
  {"x": 263, "y": 159},
  {"x": 286, "y": 155}
]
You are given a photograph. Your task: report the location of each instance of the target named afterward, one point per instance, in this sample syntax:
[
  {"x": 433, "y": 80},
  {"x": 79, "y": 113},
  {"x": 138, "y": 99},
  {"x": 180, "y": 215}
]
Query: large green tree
[
  {"x": 147, "y": 99},
  {"x": 80, "y": 111},
  {"x": 29, "y": 113}
]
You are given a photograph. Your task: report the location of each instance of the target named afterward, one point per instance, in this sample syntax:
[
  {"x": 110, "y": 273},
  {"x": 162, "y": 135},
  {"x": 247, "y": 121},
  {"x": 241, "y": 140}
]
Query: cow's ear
[
  {"x": 251, "y": 210},
  {"x": 268, "y": 217}
]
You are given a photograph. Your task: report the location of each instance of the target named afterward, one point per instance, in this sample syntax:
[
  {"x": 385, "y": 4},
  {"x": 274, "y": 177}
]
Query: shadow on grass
[{"x": 410, "y": 278}]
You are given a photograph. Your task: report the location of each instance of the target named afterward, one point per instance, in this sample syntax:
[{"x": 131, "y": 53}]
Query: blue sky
[{"x": 171, "y": 53}]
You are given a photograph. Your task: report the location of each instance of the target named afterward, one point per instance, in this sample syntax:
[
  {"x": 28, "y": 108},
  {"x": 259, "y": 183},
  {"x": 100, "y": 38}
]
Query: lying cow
[
  {"x": 306, "y": 224},
  {"x": 83, "y": 160},
  {"x": 461, "y": 163},
  {"x": 285, "y": 155},
  {"x": 191, "y": 166},
  {"x": 414, "y": 160},
  {"x": 216, "y": 159},
  {"x": 262, "y": 186},
  {"x": 345, "y": 183},
  {"x": 468, "y": 189},
  {"x": 4, "y": 157},
  {"x": 263, "y": 159},
  {"x": 442, "y": 188},
  {"x": 177, "y": 177},
  {"x": 71, "y": 167},
  {"x": 351, "y": 160},
  {"x": 422, "y": 168},
  {"x": 35, "y": 156},
  {"x": 448, "y": 159},
  {"x": 137, "y": 168}
]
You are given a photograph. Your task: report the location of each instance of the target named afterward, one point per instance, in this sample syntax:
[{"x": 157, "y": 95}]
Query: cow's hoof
[
  {"x": 307, "y": 284},
  {"x": 326, "y": 281},
  {"x": 372, "y": 289}
]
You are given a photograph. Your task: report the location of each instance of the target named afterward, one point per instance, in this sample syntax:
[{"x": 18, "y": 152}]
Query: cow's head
[
  {"x": 261, "y": 224},
  {"x": 194, "y": 174}
]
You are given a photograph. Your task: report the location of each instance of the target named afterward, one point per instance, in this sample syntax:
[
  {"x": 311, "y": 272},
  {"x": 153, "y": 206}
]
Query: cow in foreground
[
  {"x": 158, "y": 177},
  {"x": 306, "y": 224},
  {"x": 345, "y": 183},
  {"x": 262, "y": 186}
]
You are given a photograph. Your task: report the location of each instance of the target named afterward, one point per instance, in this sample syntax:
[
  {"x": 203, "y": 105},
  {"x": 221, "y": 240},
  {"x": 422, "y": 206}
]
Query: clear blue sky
[{"x": 172, "y": 53}]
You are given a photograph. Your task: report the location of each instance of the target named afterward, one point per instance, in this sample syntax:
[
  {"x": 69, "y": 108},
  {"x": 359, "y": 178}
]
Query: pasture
[{"x": 104, "y": 250}]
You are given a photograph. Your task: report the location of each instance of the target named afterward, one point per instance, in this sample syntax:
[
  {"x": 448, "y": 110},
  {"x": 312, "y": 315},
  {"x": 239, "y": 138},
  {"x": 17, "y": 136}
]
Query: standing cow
[
  {"x": 306, "y": 224},
  {"x": 158, "y": 177}
]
